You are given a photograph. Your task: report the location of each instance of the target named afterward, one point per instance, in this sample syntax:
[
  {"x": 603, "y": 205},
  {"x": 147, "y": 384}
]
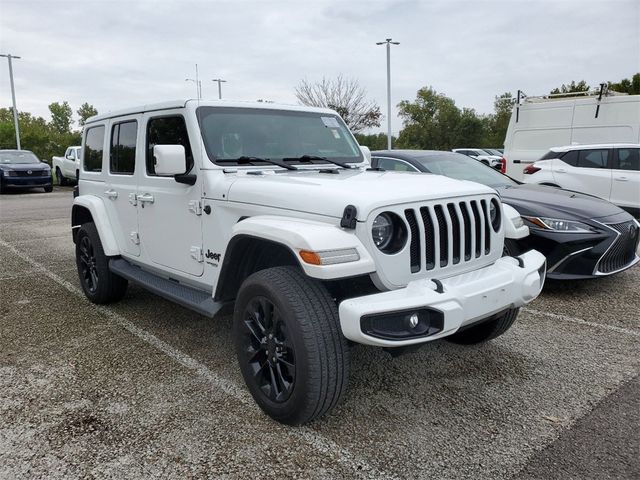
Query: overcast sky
[{"x": 115, "y": 54}]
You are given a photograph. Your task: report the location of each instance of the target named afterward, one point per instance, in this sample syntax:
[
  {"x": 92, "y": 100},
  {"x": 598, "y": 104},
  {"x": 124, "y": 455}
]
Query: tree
[
  {"x": 61, "y": 117},
  {"x": 85, "y": 111},
  {"x": 573, "y": 87},
  {"x": 632, "y": 87},
  {"x": 376, "y": 141},
  {"x": 343, "y": 95},
  {"x": 496, "y": 124}
]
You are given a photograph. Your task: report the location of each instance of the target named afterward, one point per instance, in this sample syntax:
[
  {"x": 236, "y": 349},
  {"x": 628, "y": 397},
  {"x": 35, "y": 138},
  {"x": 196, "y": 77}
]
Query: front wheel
[
  {"x": 291, "y": 351},
  {"x": 48, "y": 189},
  {"x": 62, "y": 181},
  {"x": 487, "y": 330},
  {"x": 99, "y": 284}
]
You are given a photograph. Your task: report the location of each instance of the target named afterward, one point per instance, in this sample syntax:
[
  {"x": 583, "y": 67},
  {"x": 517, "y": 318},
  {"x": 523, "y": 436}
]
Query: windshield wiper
[
  {"x": 310, "y": 158},
  {"x": 249, "y": 160}
]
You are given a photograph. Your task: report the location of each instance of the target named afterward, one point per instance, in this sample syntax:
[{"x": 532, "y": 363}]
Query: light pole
[
  {"x": 220, "y": 82},
  {"x": 388, "y": 43},
  {"x": 197, "y": 82},
  {"x": 13, "y": 97}
]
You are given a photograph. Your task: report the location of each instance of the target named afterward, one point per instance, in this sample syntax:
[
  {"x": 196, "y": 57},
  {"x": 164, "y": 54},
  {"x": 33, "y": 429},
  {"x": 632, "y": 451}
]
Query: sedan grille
[
  {"x": 623, "y": 250},
  {"x": 448, "y": 234}
]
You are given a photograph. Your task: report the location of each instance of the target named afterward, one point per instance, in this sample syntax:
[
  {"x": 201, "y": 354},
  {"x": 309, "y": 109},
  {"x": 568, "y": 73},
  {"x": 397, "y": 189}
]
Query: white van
[{"x": 539, "y": 123}]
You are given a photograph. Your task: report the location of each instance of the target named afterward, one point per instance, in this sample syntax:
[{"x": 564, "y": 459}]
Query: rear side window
[
  {"x": 93, "y": 146},
  {"x": 167, "y": 131},
  {"x": 551, "y": 154},
  {"x": 570, "y": 158},
  {"x": 122, "y": 157},
  {"x": 394, "y": 165},
  {"x": 593, "y": 158},
  {"x": 628, "y": 159}
]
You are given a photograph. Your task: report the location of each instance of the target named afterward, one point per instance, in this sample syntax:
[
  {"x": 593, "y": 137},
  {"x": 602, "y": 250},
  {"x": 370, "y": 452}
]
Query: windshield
[
  {"x": 461, "y": 167},
  {"x": 18, "y": 157},
  {"x": 233, "y": 133}
]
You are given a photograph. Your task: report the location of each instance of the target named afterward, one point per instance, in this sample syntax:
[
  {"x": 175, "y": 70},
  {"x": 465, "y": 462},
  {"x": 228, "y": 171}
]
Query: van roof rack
[{"x": 603, "y": 91}]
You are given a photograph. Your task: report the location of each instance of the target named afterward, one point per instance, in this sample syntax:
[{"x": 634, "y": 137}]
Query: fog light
[{"x": 403, "y": 325}]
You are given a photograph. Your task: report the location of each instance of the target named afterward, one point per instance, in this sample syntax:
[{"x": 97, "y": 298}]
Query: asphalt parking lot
[{"x": 145, "y": 388}]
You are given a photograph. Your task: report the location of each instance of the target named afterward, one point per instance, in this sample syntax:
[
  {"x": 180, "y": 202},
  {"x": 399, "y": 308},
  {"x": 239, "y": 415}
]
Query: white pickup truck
[
  {"x": 273, "y": 208},
  {"x": 67, "y": 168}
]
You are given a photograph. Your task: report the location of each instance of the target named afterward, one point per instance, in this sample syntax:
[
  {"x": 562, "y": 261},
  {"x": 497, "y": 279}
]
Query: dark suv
[{"x": 23, "y": 169}]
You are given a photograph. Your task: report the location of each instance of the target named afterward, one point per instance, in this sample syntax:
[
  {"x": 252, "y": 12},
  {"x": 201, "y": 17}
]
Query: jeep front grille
[
  {"x": 454, "y": 232},
  {"x": 623, "y": 250}
]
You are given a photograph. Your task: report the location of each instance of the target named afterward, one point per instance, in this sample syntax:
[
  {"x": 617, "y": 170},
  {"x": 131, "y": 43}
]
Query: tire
[
  {"x": 62, "y": 181},
  {"x": 48, "y": 189},
  {"x": 511, "y": 248},
  {"x": 311, "y": 366},
  {"x": 486, "y": 330},
  {"x": 485, "y": 162},
  {"x": 2, "y": 188},
  {"x": 99, "y": 284}
]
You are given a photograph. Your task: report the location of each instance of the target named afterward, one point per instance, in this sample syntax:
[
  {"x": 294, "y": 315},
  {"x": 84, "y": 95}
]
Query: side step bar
[{"x": 192, "y": 298}]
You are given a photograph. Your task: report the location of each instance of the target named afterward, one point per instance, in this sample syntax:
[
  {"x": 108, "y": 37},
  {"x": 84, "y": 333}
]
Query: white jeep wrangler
[{"x": 273, "y": 208}]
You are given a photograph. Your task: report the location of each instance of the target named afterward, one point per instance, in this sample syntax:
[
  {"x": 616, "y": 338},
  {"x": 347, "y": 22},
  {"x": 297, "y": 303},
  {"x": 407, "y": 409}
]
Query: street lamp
[
  {"x": 388, "y": 43},
  {"x": 13, "y": 97},
  {"x": 220, "y": 82},
  {"x": 198, "y": 86}
]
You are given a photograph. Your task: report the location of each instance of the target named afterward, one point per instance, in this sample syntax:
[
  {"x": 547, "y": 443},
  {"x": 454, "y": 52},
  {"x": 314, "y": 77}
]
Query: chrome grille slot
[
  {"x": 443, "y": 236},
  {"x": 429, "y": 238},
  {"x": 415, "y": 240},
  {"x": 487, "y": 227},
  {"x": 455, "y": 231}
]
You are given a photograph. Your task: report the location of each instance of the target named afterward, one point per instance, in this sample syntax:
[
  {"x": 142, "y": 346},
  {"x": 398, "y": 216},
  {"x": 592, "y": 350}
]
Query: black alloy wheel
[
  {"x": 88, "y": 264},
  {"x": 269, "y": 349}
]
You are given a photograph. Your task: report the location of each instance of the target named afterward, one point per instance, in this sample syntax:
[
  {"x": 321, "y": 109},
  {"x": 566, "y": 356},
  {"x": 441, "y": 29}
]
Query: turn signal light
[
  {"x": 503, "y": 165},
  {"x": 530, "y": 170}
]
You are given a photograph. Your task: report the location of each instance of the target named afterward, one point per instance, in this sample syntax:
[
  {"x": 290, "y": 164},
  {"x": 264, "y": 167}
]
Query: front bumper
[
  {"x": 26, "y": 182},
  {"x": 465, "y": 299}
]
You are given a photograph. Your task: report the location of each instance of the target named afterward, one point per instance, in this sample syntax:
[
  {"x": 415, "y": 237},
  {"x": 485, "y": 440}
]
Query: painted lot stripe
[
  {"x": 316, "y": 440},
  {"x": 579, "y": 321}
]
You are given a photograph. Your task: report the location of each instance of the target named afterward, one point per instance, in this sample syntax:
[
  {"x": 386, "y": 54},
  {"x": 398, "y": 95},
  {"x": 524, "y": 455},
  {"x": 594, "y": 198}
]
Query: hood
[
  {"x": 553, "y": 202},
  {"x": 328, "y": 194},
  {"x": 24, "y": 166}
]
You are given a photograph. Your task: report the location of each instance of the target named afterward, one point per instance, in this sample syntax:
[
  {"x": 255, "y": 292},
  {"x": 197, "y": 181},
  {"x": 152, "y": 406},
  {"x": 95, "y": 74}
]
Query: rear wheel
[
  {"x": 291, "y": 351},
  {"x": 61, "y": 180},
  {"x": 99, "y": 284},
  {"x": 487, "y": 330}
]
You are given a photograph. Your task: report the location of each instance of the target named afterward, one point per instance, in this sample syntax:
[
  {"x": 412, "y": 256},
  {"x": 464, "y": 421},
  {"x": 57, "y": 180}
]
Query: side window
[
  {"x": 628, "y": 159},
  {"x": 593, "y": 158},
  {"x": 93, "y": 146},
  {"x": 122, "y": 155},
  {"x": 394, "y": 165},
  {"x": 167, "y": 131},
  {"x": 551, "y": 154},
  {"x": 570, "y": 158}
]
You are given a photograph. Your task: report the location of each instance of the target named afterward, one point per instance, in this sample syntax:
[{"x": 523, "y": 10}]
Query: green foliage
[
  {"x": 632, "y": 87},
  {"x": 85, "y": 111},
  {"x": 573, "y": 87},
  {"x": 376, "y": 141},
  {"x": 61, "y": 114},
  {"x": 36, "y": 134}
]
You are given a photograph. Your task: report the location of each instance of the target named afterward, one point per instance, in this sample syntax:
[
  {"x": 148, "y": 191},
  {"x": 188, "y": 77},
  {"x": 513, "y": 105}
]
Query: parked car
[
  {"x": 581, "y": 235},
  {"x": 481, "y": 155},
  {"x": 277, "y": 213},
  {"x": 20, "y": 169},
  {"x": 67, "y": 167},
  {"x": 493, "y": 151},
  {"x": 609, "y": 171},
  {"x": 540, "y": 123}
]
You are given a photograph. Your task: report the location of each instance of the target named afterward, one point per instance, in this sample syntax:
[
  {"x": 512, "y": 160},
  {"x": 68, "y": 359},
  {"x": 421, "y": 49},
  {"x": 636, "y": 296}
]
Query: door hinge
[
  {"x": 133, "y": 199},
  {"x": 135, "y": 238},
  {"x": 195, "y": 206},
  {"x": 196, "y": 254}
]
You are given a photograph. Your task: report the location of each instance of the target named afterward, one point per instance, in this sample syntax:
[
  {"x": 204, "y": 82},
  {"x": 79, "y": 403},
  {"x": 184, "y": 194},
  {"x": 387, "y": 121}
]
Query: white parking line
[
  {"x": 316, "y": 440},
  {"x": 580, "y": 321}
]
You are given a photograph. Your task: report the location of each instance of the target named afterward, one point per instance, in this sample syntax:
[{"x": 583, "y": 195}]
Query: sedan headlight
[{"x": 559, "y": 225}]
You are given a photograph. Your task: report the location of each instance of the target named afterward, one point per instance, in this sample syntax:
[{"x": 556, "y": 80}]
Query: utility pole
[
  {"x": 220, "y": 82},
  {"x": 388, "y": 42},
  {"x": 13, "y": 97}
]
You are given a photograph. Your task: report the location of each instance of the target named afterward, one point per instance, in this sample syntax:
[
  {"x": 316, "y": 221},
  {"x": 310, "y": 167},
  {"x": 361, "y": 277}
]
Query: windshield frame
[
  {"x": 424, "y": 162},
  {"x": 16, "y": 153},
  {"x": 202, "y": 111}
]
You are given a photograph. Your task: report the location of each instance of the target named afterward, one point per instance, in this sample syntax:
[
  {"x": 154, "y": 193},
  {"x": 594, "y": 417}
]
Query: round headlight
[
  {"x": 382, "y": 231},
  {"x": 494, "y": 214}
]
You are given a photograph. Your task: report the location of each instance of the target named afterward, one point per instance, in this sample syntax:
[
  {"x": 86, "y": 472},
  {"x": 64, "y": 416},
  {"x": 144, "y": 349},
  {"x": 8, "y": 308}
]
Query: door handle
[
  {"x": 145, "y": 198},
  {"x": 561, "y": 170},
  {"x": 112, "y": 194},
  {"x": 622, "y": 179}
]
